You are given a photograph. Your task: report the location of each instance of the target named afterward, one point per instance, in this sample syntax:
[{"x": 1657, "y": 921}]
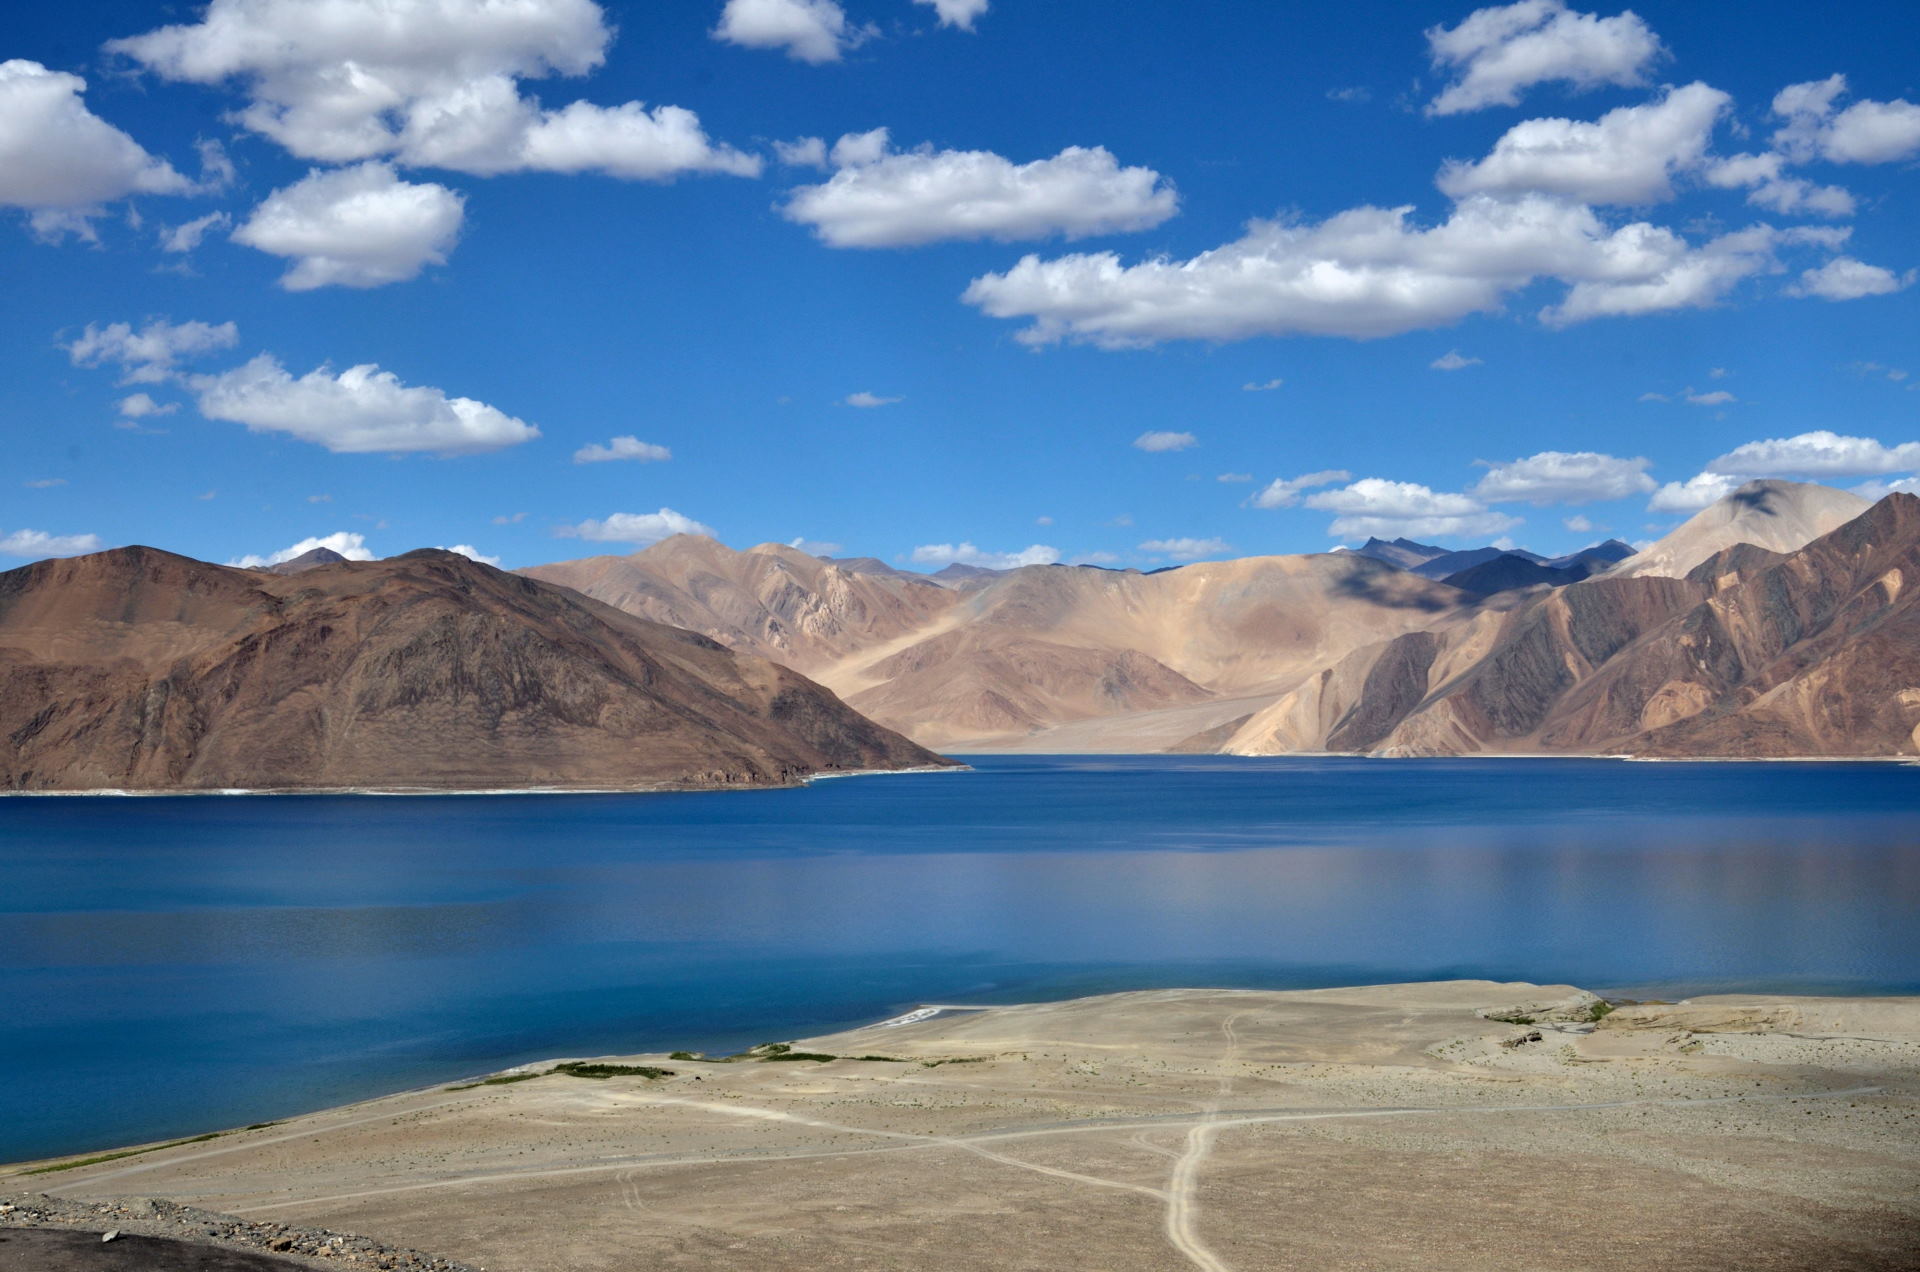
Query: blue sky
[{"x": 1127, "y": 285}]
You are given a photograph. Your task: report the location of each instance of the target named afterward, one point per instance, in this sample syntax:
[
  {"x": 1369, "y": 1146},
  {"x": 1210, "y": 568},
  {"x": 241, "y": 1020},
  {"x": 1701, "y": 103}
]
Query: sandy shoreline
[
  {"x": 412, "y": 791},
  {"x": 1160, "y": 1129}
]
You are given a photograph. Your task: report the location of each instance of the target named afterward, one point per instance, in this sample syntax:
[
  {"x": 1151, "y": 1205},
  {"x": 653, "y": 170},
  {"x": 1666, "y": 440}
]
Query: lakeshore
[{"x": 1443, "y": 1125}]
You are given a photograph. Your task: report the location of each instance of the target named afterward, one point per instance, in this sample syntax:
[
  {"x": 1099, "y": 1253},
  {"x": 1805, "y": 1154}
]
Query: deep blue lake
[{"x": 171, "y": 966}]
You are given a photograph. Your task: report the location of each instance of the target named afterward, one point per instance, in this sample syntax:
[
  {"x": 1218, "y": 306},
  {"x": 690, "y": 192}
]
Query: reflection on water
[{"x": 178, "y": 964}]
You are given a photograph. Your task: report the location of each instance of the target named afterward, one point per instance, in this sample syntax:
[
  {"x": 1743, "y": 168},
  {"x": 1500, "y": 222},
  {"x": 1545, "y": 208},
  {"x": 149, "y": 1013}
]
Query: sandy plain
[{"x": 1388, "y": 1127}]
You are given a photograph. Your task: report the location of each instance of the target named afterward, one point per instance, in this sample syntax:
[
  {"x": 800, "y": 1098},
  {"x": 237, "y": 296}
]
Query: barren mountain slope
[
  {"x": 1781, "y": 516},
  {"x": 771, "y": 600},
  {"x": 1008, "y": 656},
  {"x": 1755, "y": 654},
  {"x": 139, "y": 669},
  {"x": 1052, "y": 645}
]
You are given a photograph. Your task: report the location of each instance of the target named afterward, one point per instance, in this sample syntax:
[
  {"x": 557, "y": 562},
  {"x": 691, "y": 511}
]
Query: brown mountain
[
  {"x": 138, "y": 669},
  {"x": 1781, "y": 516},
  {"x": 1754, "y": 653},
  {"x": 1052, "y": 657}
]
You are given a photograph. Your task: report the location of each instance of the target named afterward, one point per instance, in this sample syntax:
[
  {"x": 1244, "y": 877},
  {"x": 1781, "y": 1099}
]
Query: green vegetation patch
[
  {"x": 125, "y": 1152},
  {"x": 1599, "y": 1010},
  {"x": 790, "y": 1054},
  {"x": 935, "y": 1064},
  {"x": 580, "y": 1069},
  {"x": 1513, "y": 1020},
  {"x": 505, "y": 1079},
  {"x": 685, "y": 1055}
]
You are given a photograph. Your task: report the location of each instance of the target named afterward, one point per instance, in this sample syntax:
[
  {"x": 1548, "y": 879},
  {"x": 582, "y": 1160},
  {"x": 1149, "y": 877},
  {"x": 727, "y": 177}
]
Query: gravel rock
[{"x": 158, "y": 1217}]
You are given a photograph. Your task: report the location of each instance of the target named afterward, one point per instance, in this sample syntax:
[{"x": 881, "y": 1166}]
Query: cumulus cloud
[
  {"x": 1186, "y": 549},
  {"x": 637, "y": 527},
  {"x": 1374, "y": 506},
  {"x": 1497, "y": 53},
  {"x": 59, "y": 160},
  {"x": 1820, "y": 453},
  {"x": 1262, "y": 386},
  {"x": 1453, "y": 361},
  {"x": 151, "y": 354},
  {"x": 966, "y": 554},
  {"x": 1878, "y": 490},
  {"x": 809, "y": 30},
  {"x": 348, "y": 544},
  {"x": 868, "y": 401},
  {"x": 1865, "y": 132},
  {"x": 957, "y": 13},
  {"x": 1579, "y": 524},
  {"x": 137, "y": 406},
  {"x": 38, "y": 543},
  {"x": 1164, "y": 441},
  {"x": 622, "y": 448},
  {"x": 472, "y": 553},
  {"x": 880, "y": 197},
  {"x": 801, "y": 152},
  {"x": 1628, "y": 155},
  {"x": 1764, "y": 177},
  {"x": 1372, "y": 272},
  {"x": 1563, "y": 477},
  {"x": 1844, "y": 278},
  {"x": 430, "y": 83},
  {"x": 1693, "y": 494},
  {"x": 360, "y": 410},
  {"x": 1284, "y": 492},
  {"x": 186, "y": 238},
  {"x": 355, "y": 227}
]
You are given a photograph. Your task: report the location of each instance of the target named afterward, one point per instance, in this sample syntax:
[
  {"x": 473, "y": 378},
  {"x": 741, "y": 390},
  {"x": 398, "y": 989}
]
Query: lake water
[{"x": 170, "y": 966}]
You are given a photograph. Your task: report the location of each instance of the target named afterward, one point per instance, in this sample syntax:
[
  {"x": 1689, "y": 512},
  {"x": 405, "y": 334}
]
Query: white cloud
[
  {"x": 816, "y": 547},
  {"x": 1234, "y": 478},
  {"x": 137, "y": 406},
  {"x": 622, "y": 448},
  {"x": 1817, "y": 454},
  {"x": 431, "y": 83},
  {"x": 1865, "y": 132},
  {"x": 1876, "y": 369},
  {"x": 1452, "y": 361},
  {"x": 44, "y": 483},
  {"x": 151, "y": 354},
  {"x": 59, "y": 159},
  {"x": 38, "y": 543},
  {"x": 1370, "y": 272},
  {"x": 801, "y": 152},
  {"x": 1043, "y": 521},
  {"x": 887, "y": 198},
  {"x": 186, "y": 238},
  {"x": 355, "y": 227},
  {"x": 1095, "y": 558},
  {"x": 1769, "y": 187},
  {"x": 1284, "y": 492},
  {"x": 867, "y": 401},
  {"x": 1562, "y": 477},
  {"x": 967, "y": 554},
  {"x": 957, "y": 13},
  {"x": 637, "y": 527},
  {"x": 348, "y": 544},
  {"x": 1163, "y": 440},
  {"x": 809, "y": 30},
  {"x": 1262, "y": 386},
  {"x": 1693, "y": 494},
  {"x": 472, "y": 553},
  {"x": 1718, "y": 397},
  {"x": 1579, "y": 525},
  {"x": 1499, "y": 52},
  {"x": 1628, "y": 155},
  {"x": 505, "y": 519},
  {"x": 1844, "y": 278},
  {"x": 362, "y": 409},
  {"x": 1187, "y": 549},
  {"x": 1878, "y": 490},
  {"x": 1389, "y": 509}
]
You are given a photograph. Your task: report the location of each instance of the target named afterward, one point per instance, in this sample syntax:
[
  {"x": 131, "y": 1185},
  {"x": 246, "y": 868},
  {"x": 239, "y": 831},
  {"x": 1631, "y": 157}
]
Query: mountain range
[
  {"x": 1776, "y": 622},
  {"x": 137, "y": 669}
]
